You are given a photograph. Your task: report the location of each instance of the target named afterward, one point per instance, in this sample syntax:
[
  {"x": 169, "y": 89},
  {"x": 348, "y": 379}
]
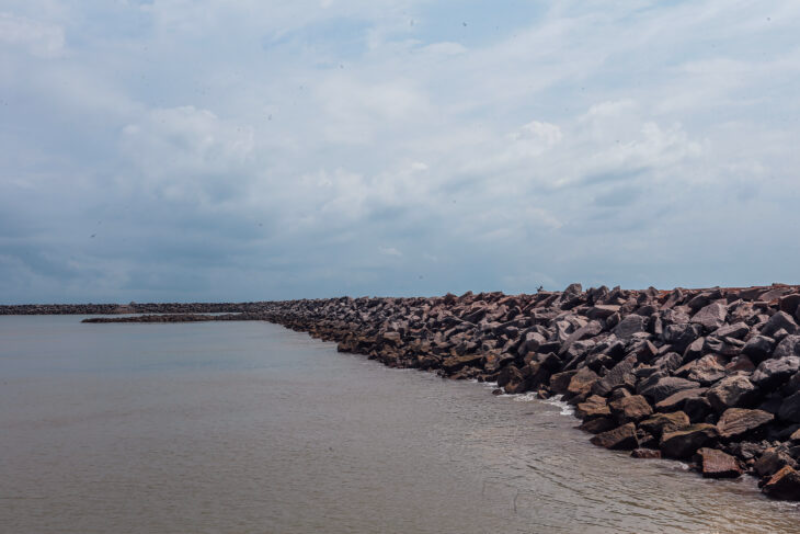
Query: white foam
[{"x": 556, "y": 401}]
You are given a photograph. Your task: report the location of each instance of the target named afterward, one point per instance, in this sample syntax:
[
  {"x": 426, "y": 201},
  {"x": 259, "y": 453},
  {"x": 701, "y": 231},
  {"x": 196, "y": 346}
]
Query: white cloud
[{"x": 37, "y": 38}]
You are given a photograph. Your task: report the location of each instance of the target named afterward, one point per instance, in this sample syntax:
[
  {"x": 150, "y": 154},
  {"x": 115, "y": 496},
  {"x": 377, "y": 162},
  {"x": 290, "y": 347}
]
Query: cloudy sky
[{"x": 257, "y": 149}]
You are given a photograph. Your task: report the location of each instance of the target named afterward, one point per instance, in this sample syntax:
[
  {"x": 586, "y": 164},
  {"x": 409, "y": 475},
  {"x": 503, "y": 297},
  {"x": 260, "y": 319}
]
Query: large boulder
[
  {"x": 771, "y": 461},
  {"x": 630, "y": 409},
  {"x": 784, "y": 485},
  {"x": 736, "y": 422},
  {"x": 707, "y": 370},
  {"x": 666, "y": 387},
  {"x": 772, "y": 373},
  {"x": 678, "y": 400},
  {"x": 681, "y": 335},
  {"x": 730, "y": 392},
  {"x": 716, "y": 464},
  {"x": 581, "y": 383},
  {"x": 559, "y": 383},
  {"x": 711, "y": 317},
  {"x": 620, "y": 438},
  {"x": 684, "y": 443}
]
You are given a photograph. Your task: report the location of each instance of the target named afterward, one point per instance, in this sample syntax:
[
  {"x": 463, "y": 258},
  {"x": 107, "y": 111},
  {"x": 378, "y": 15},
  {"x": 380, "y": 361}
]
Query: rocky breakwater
[{"x": 710, "y": 377}]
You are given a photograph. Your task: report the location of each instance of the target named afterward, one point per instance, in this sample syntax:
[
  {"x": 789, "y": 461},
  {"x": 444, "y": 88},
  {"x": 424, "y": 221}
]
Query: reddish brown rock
[
  {"x": 594, "y": 407},
  {"x": 646, "y": 454},
  {"x": 736, "y": 422},
  {"x": 630, "y": 409},
  {"x": 663, "y": 423},
  {"x": 716, "y": 464},
  {"x": 684, "y": 443}
]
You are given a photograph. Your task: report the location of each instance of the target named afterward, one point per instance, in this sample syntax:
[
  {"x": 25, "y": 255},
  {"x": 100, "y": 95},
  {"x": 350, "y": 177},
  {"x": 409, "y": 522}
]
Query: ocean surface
[{"x": 244, "y": 427}]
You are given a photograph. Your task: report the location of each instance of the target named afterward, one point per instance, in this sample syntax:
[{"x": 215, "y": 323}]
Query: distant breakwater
[{"x": 707, "y": 376}]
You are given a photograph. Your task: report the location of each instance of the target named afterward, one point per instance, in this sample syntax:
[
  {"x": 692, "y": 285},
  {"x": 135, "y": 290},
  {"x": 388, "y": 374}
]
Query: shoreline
[{"x": 710, "y": 377}]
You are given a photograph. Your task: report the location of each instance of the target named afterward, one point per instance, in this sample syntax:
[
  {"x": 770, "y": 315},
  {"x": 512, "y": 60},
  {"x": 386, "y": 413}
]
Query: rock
[
  {"x": 779, "y": 321},
  {"x": 759, "y": 348},
  {"x": 684, "y": 443},
  {"x": 735, "y": 331},
  {"x": 452, "y": 365},
  {"x": 698, "y": 409},
  {"x": 790, "y": 408},
  {"x": 620, "y": 375},
  {"x": 630, "y": 409},
  {"x": 784, "y": 485},
  {"x": 711, "y": 317},
  {"x": 772, "y": 461},
  {"x": 717, "y": 464},
  {"x": 662, "y": 423},
  {"x": 730, "y": 392},
  {"x": 630, "y": 325},
  {"x": 790, "y": 304},
  {"x": 666, "y": 387},
  {"x": 559, "y": 383},
  {"x": 708, "y": 369},
  {"x": 736, "y": 422},
  {"x": 602, "y": 311},
  {"x": 581, "y": 383},
  {"x": 620, "y": 438},
  {"x": 592, "y": 408},
  {"x": 646, "y": 454},
  {"x": 509, "y": 374},
  {"x": 599, "y": 425},
  {"x": 678, "y": 400},
  {"x": 772, "y": 373},
  {"x": 681, "y": 335},
  {"x": 789, "y": 346}
]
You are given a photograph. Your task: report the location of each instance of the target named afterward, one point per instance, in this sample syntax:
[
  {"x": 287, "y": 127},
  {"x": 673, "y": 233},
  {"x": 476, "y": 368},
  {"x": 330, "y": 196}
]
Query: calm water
[{"x": 250, "y": 428}]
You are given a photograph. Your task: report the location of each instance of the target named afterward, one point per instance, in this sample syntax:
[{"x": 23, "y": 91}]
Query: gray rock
[
  {"x": 759, "y": 348},
  {"x": 711, "y": 317},
  {"x": 630, "y": 325},
  {"x": 790, "y": 408},
  {"x": 789, "y": 346},
  {"x": 780, "y": 321},
  {"x": 620, "y": 375},
  {"x": 772, "y": 373}
]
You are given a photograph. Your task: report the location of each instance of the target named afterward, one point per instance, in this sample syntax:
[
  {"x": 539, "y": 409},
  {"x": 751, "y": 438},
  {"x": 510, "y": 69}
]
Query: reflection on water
[{"x": 249, "y": 428}]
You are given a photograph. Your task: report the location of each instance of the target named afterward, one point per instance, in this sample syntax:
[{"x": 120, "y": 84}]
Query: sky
[{"x": 244, "y": 150}]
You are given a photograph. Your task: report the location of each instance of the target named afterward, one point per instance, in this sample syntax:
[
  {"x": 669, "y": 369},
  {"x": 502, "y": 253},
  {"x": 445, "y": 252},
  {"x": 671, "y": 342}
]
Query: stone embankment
[{"x": 710, "y": 377}]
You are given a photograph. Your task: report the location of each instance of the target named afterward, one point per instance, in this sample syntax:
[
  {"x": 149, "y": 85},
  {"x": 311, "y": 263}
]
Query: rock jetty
[{"x": 707, "y": 376}]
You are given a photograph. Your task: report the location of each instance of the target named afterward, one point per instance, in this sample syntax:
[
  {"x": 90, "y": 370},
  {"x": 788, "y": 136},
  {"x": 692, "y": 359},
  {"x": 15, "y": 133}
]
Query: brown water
[{"x": 249, "y": 428}]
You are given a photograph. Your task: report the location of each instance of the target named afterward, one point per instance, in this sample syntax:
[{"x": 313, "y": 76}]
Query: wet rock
[
  {"x": 684, "y": 443},
  {"x": 630, "y": 409},
  {"x": 592, "y": 408},
  {"x": 772, "y": 461},
  {"x": 620, "y": 438},
  {"x": 646, "y": 454},
  {"x": 730, "y": 392},
  {"x": 737, "y": 422},
  {"x": 662, "y": 423},
  {"x": 716, "y": 464},
  {"x": 784, "y": 485},
  {"x": 666, "y": 387}
]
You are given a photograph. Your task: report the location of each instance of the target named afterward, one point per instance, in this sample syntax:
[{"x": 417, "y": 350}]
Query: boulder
[
  {"x": 455, "y": 364},
  {"x": 684, "y": 443},
  {"x": 599, "y": 425},
  {"x": 698, "y": 409},
  {"x": 779, "y": 321},
  {"x": 759, "y": 348},
  {"x": 630, "y": 409},
  {"x": 678, "y": 400},
  {"x": 581, "y": 383},
  {"x": 666, "y": 387},
  {"x": 559, "y": 383},
  {"x": 716, "y": 464},
  {"x": 730, "y": 392},
  {"x": 736, "y": 422},
  {"x": 784, "y": 485},
  {"x": 790, "y": 408},
  {"x": 620, "y": 438},
  {"x": 681, "y": 335},
  {"x": 602, "y": 311},
  {"x": 708, "y": 369},
  {"x": 592, "y": 408},
  {"x": 789, "y": 346},
  {"x": 711, "y": 317},
  {"x": 630, "y": 325},
  {"x": 790, "y": 304},
  {"x": 620, "y": 375},
  {"x": 772, "y": 373},
  {"x": 662, "y": 423},
  {"x": 772, "y": 461}
]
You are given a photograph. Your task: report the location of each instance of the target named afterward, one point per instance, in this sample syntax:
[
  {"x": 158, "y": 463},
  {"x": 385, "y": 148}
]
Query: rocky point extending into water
[{"x": 708, "y": 376}]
